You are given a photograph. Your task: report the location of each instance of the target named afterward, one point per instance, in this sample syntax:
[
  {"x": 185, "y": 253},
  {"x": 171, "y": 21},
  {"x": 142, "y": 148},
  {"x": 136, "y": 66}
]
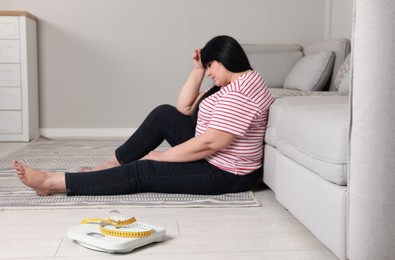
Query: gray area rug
[{"x": 71, "y": 155}]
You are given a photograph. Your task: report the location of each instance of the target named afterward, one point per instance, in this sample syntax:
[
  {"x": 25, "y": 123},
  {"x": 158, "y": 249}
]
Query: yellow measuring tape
[
  {"x": 129, "y": 234},
  {"x": 129, "y": 225}
]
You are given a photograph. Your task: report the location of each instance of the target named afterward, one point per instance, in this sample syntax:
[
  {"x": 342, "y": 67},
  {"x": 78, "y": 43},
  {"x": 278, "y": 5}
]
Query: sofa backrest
[{"x": 275, "y": 61}]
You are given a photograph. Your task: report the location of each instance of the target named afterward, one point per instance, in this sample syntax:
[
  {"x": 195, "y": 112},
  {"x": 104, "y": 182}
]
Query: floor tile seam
[{"x": 59, "y": 246}]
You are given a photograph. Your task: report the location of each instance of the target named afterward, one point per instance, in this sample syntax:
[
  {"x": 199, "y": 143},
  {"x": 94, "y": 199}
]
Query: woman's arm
[
  {"x": 194, "y": 149},
  {"x": 190, "y": 92}
]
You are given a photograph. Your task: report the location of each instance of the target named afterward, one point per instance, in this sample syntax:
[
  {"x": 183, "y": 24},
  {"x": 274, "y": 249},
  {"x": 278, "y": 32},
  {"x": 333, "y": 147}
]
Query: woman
[{"x": 216, "y": 137}]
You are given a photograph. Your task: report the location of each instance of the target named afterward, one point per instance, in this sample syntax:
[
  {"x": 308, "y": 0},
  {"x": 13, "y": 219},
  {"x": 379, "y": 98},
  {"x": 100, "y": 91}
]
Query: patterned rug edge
[
  {"x": 48, "y": 153},
  {"x": 213, "y": 203}
]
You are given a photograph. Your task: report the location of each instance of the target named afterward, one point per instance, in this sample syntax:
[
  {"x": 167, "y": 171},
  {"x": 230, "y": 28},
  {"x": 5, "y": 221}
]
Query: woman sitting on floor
[{"x": 216, "y": 137}]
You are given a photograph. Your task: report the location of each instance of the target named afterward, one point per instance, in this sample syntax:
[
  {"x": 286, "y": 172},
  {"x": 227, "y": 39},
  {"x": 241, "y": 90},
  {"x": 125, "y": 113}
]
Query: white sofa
[{"x": 306, "y": 143}]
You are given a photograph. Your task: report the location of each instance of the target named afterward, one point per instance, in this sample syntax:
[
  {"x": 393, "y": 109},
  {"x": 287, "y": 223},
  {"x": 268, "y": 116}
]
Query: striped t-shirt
[{"x": 240, "y": 108}]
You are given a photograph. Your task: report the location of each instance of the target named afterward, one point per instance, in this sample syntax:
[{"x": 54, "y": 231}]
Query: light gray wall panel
[{"x": 107, "y": 63}]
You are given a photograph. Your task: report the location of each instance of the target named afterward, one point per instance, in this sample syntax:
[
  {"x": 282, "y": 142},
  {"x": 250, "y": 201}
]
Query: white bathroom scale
[{"x": 89, "y": 236}]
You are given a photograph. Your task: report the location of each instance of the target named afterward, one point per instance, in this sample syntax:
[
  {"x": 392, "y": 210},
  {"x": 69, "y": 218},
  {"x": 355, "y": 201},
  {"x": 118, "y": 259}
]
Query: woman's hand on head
[{"x": 197, "y": 59}]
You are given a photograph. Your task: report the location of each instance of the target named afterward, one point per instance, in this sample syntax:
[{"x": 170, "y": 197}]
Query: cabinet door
[
  {"x": 10, "y": 122},
  {"x": 10, "y": 99},
  {"x": 9, "y": 27},
  {"x": 9, "y": 51},
  {"x": 10, "y": 75}
]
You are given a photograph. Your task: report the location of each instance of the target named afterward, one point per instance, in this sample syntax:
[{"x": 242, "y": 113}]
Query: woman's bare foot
[
  {"x": 110, "y": 163},
  {"x": 44, "y": 183}
]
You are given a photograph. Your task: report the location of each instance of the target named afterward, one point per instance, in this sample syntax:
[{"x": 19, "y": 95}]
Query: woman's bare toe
[{"x": 43, "y": 183}]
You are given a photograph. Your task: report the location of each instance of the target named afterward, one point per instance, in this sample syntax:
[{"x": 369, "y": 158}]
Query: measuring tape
[{"x": 129, "y": 226}]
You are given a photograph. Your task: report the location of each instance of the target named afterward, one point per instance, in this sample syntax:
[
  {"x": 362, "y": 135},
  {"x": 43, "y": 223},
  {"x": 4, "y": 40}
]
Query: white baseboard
[{"x": 86, "y": 132}]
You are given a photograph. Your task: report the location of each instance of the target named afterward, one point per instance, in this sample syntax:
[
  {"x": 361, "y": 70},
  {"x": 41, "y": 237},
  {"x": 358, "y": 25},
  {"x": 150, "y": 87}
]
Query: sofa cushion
[
  {"x": 343, "y": 77},
  {"x": 282, "y": 92},
  {"x": 315, "y": 135},
  {"x": 341, "y": 47},
  {"x": 273, "y": 62},
  {"x": 288, "y": 101},
  {"x": 311, "y": 72}
]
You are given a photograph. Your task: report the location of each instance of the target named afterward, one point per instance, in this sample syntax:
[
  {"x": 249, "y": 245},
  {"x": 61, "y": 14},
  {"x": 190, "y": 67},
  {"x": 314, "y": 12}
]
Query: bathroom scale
[{"x": 115, "y": 236}]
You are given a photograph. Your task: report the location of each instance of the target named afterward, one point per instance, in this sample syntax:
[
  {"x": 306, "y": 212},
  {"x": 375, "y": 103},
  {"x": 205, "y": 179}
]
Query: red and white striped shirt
[{"x": 240, "y": 108}]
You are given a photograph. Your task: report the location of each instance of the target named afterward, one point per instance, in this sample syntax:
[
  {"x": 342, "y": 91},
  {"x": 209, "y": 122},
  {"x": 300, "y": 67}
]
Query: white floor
[{"x": 267, "y": 232}]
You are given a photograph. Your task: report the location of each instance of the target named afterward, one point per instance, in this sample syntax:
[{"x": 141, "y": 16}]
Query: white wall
[
  {"x": 107, "y": 63},
  {"x": 340, "y": 16}
]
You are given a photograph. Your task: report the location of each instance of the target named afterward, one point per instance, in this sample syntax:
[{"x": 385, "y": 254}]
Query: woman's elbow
[
  {"x": 184, "y": 110},
  {"x": 219, "y": 144}
]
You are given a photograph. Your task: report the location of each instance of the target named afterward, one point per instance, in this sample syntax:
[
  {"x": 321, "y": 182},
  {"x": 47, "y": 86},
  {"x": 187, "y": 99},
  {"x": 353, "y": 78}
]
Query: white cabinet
[{"x": 18, "y": 76}]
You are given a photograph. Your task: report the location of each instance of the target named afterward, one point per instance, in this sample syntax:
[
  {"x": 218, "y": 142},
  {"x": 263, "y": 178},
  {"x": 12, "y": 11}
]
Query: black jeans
[{"x": 163, "y": 123}]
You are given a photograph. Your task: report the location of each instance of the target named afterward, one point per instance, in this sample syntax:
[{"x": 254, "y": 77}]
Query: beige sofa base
[{"x": 315, "y": 202}]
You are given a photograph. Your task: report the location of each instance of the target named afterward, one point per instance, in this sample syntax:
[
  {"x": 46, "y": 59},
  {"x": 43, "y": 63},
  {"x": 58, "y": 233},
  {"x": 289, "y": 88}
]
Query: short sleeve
[{"x": 234, "y": 114}]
